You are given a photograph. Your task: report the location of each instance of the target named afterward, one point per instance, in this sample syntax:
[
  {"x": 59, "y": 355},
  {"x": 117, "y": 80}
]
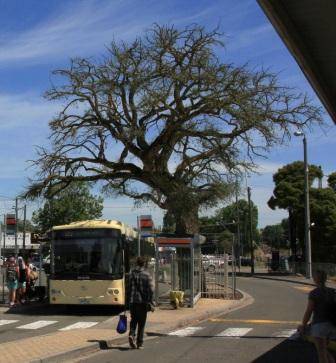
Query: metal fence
[
  {"x": 196, "y": 276},
  {"x": 218, "y": 277}
]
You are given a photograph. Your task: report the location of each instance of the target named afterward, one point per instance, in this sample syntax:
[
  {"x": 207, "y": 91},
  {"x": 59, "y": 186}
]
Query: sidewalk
[
  {"x": 65, "y": 345},
  {"x": 297, "y": 279}
]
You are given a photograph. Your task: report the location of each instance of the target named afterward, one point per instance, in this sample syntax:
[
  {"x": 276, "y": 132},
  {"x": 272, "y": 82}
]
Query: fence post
[
  {"x": 192, "y": 277},
  {"x": 156, "y": 274},
  {"x": 233, "y": 272},
  {"x": 226, "y": 274}
]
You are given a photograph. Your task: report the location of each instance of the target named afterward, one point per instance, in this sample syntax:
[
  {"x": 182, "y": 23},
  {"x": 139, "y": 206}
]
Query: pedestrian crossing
[
  {"x": 235, "y": 332},
  {"x": 40, "y": 324}
]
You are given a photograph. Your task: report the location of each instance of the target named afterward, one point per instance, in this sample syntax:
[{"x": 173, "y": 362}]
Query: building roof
[{"x": 308, "y": 28}]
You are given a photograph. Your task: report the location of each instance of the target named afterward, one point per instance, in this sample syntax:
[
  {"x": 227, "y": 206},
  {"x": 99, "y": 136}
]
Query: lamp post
[{"x": 306, "y": 205}]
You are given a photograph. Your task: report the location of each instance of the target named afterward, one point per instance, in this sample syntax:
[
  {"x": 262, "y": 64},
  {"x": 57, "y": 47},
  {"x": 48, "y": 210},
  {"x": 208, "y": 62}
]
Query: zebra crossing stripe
[
  {"x": 186, "y": 331},
  {"x": 80, "y": 325},
  {"x": 37, "y": 324},
  {"x": 234, "y": 332},
  {"x": 5, "y": 322},
  {"x": 287, "y": 333}
]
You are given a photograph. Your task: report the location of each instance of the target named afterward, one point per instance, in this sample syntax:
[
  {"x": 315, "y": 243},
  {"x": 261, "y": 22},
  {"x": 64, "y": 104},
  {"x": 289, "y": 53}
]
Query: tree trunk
[{"x": 186, "y": 220}]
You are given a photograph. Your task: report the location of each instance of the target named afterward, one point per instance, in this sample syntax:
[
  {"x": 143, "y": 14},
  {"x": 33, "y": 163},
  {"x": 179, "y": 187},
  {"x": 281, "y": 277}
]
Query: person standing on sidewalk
[
  {"x": 141, "y": 301},
  {"x": 22, "y": 281},
  {"x": 12, "y": 276}
]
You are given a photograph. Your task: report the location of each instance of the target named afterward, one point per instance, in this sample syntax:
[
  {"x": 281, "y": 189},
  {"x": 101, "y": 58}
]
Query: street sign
[
  {"x": 10, "y": 224},
  {"x": 146, "y": 223}
]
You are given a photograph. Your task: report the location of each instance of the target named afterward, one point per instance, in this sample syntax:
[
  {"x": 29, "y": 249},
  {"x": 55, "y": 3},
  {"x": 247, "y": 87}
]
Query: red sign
[
  {"x": 173, "y": 241},
  {"x": 10, "y": 219},
  {"x": 146, "y": 223}
]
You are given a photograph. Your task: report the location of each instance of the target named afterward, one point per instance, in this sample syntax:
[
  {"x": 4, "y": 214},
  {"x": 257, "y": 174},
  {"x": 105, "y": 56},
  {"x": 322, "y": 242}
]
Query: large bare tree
[{"x": 163, "y": 119}]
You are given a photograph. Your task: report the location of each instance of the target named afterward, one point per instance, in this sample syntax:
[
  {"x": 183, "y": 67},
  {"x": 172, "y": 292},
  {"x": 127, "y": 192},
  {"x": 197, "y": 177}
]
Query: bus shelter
[{"x": 178, "y": 266}]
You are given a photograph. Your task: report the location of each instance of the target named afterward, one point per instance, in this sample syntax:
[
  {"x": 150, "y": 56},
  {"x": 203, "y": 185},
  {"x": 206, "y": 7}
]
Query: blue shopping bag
[{"x": 122, "y": 324}]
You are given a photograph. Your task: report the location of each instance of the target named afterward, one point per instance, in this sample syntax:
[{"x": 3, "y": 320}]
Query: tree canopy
[
  {"x": 275, "y": 236},
  {"x": 164, "y": 119},
  {"x": 74, "y": 203},
  {"x": 289, "y": 194},
  {"x": 332, "y": 181}
]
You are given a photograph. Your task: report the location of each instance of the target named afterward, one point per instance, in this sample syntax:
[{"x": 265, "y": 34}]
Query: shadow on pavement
[
  {"x": 74, "y": 310},
  {"x": 290, "y": 352},
  {"x": 116, "y": 344}
]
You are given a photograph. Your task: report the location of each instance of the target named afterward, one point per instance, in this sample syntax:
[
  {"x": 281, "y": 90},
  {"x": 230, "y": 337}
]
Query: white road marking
[
  {"x": 37, "y": 324},
  {"x": 186, "y": 331},
  {"x": 287, "y": 333},
  {"x": 234, "y": 332},
  {"x": 80, "y": 325},
  {"x": 291, "y": 334},
  {"x": 5, "y": 322}
]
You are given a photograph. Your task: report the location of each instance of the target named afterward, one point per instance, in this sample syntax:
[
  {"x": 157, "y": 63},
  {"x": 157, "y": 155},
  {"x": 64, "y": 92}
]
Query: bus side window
[{"x": 126, "y": 255}]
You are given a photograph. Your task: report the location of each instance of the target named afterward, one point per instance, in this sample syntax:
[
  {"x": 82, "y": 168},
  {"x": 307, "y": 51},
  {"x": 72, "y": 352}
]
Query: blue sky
[{"x": 39, "y": 36}]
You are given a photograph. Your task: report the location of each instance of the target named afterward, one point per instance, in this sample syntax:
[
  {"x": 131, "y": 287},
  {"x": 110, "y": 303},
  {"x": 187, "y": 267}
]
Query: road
[
  {"x": 39, "y": 319},
  {"x": 19, "y": 323},
  {"x": 258, "y": 333}
]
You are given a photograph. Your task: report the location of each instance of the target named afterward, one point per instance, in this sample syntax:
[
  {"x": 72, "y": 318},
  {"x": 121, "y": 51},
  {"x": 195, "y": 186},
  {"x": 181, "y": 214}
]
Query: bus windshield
[{"x": 88, "y": 254}]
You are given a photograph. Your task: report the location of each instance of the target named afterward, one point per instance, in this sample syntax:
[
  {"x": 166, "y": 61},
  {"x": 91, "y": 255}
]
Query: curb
[
  {"x": 101, "y": 345},
  {"x": 245, "y": 301},
  {"x": 285, "y": 280}
]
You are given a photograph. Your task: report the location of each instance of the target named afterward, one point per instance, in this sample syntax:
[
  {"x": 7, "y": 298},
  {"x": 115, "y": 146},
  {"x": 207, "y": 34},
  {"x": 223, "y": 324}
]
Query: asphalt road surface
[
  {"x": 38, "y": 319},
  {"x": 259, "y": 333},
  {"x": 28, "y": 321}
]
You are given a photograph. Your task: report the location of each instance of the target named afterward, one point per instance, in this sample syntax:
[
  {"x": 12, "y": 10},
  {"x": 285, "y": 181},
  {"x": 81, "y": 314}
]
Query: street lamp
[{"x": 306, "y": 204}]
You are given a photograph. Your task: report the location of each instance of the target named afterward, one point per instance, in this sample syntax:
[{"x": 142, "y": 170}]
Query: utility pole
[
  {"x": 16, "y": 227},
  {"x": 238, "y": 225},
  {"x": 306, "y": 205},
  {"x": 307, "y": 212},
  {"x": 5, "y": 232},
  {"x": 139, "y": 236},
  {"x": 250, "y": 228},
  {"x": 24, "y": 226},
  {"x": 320, "y": 179}
]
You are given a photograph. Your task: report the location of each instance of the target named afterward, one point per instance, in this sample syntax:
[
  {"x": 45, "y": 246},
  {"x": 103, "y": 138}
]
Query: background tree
[
  {"x": 74, "y": 203},
  {"x": 163, "y": 119},
  {"x": 229, "y": 214},
  {"x": 274, "y": 236},
  {"x": 323, "y": 219},
  {"x": 219, "y": 236},
  {"x": 332, "y": 181},
  {"x": 288, "y": 194}
]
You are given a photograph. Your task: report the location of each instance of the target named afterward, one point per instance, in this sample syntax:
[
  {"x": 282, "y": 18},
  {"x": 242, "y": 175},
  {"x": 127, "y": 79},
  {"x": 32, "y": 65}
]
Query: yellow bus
[{"x": 90, "y": 261}]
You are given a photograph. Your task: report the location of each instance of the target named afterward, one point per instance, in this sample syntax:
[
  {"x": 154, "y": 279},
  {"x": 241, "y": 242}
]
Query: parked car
[
  {"x": 212, "y": 263},
  {"x": 245, "y": 261}
]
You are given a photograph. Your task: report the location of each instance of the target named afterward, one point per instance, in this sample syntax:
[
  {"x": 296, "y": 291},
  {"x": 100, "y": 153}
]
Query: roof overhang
[{"x": 308, "y": 28}]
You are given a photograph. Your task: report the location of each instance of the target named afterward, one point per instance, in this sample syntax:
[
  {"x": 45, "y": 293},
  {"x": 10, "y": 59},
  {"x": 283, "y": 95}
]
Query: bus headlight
[{"x": 116, "y": 292}]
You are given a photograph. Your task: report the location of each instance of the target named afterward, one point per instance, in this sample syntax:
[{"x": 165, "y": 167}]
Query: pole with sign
[{"x": 145, "y": 228}]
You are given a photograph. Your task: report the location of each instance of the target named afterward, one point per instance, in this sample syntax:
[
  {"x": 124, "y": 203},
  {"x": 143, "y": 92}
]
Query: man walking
[{"x": 141, "y": 301}]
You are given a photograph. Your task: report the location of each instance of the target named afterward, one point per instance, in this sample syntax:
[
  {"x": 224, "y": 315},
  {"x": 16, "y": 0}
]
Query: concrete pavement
[
  {"x": 63, "y": 344},
  {"x": 259, "y": 333}
]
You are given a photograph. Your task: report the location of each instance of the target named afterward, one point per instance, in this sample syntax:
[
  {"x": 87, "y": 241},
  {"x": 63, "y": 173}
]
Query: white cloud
[
  {"x": 86, "y": 29},
  {"x": 24, "y": 110},
  {"x": 75, "y": 31},
  {"x": 268, "y": 167},
  {"x": 248, "y": 37}
]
